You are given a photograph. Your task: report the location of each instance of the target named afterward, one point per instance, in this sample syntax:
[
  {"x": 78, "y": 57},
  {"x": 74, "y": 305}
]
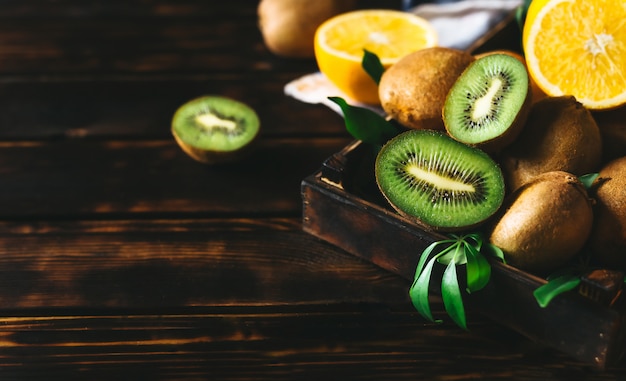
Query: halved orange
[
  {"x": 341, "y": 40},
  {"x": 578, "y": 47}
]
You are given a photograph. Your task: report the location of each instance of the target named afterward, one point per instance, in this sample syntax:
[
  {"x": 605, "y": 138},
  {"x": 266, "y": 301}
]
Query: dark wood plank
[
  {"x": 100, "y": 178},
  {"x": 71, "y": 9},
  {"x": 99, "y": 38},
  {"x": 143, "y": 108},
  {"x": 175, "y": 263},
  {"x": 137, "y": 37},
  {"x": 354, "y": 342}
]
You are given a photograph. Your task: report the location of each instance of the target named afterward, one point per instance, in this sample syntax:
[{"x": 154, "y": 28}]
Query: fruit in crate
[
  {"x": 413, "y": 91},
  {"x": 608, "y": 239},
  {"x": 578, "y": 47},
  {"x": 537, "y": 93},
  {"x": 488, "y": 104},
  {"x": 559, "y": 134},
  {"x": 438, "y": 182},
  {"x": 545, "y": 223},
  {"x": 340, "y": 43},
  {"x": 612, "y": 124}
]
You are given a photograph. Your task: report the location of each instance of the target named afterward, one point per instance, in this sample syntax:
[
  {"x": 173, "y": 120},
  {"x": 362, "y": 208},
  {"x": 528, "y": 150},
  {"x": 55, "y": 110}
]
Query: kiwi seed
[
  {"x": 213, "y": 129},
  {"x": 438, "y": 182},
  {"x": 488, "y": 104}
]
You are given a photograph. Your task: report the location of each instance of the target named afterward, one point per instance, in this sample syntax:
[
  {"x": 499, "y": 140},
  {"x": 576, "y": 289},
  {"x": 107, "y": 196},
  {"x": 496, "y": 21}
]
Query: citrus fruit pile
[{"x": 341, "y": 40}]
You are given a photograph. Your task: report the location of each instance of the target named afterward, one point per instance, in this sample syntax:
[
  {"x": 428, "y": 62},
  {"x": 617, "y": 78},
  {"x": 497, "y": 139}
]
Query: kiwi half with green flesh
[
  {"x": 438, "y": 182},
  {"x": 214, "y": 129},
  {"x": 488, "y": 104}
]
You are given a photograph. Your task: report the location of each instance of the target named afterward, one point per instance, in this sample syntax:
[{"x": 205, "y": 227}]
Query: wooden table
[{"x": 121, "y": 258}]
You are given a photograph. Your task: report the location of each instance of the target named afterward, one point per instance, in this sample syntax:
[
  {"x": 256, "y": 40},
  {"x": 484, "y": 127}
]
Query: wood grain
[
  {"x": 240, "y": 343},
  {"x": 153, "y": 177},
  {"x": 178, "y": 263},
  {"x": 121, "y": 258}
]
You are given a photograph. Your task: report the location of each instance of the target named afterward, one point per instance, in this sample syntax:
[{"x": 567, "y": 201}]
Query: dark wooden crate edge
[{"x": 573, "y": 324}]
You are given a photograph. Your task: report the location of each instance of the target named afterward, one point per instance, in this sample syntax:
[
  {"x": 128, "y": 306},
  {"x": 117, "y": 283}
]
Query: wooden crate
[{"x": 342, "y": 206}]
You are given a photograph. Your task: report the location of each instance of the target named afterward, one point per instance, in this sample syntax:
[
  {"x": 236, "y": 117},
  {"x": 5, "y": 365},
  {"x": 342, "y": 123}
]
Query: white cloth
[
  {"x": 461, "y": 23},
  {"x": 458, "y": 25}
]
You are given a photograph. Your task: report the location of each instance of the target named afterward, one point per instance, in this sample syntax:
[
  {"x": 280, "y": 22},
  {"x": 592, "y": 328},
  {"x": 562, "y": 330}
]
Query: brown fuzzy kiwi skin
[
  {"x": 607, "y": 243},
  {"x": 545, "y": 223},
  {"x": 413, "y": 90},
  {"x": 612, "y": 124},
  {"x": 216, "y": 157},
  {"x": 288, "y": 26},
  {"x": 559, "y": 135}
]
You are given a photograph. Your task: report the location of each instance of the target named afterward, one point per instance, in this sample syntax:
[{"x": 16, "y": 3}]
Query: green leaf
[
  {"x": 454, "y": 252},
  {"x": 425, "y": 255},
  {"x": 520, "y": 17},
  {"x": 451, "y": 295},
  {"x": 495, "y": 251},
  {"x": 556, "y": 286},
  {"x": 365, "y": 124},
  {"x": 474, "y": 239},
  {"x": 419, "y": 291},
  {"x": 588, "y": 179},
  {"x": 478, "y": 269},
  {"x": 520, "y": 13},
  {"x": 372, "y": 65}
]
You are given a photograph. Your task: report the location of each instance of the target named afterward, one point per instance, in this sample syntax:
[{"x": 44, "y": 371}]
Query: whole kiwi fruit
[
  {"x": 488, "y": 104},
  {"x": 215, "y": 129},
  {"x": 545, "y": 223},
  {"x": 612, "y": 124},
  {"x": 559, "y": 135},
  {"x": 438, "y": 182},
  {"x": 607, "y": 242},
  {"x": 288, "y": 26},
  {"x": 413, "y": 90}
]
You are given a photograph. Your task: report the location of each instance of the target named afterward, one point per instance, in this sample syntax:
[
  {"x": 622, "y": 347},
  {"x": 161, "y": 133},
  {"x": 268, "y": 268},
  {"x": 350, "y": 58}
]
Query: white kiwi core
[
  {"x": 439, "y": 181},
  {"x": 209, "y": 121},
  {"x": 483, "y": 106}
]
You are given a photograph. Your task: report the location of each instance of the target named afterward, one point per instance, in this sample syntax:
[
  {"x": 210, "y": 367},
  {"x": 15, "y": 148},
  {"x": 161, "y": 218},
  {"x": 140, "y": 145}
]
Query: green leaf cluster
[{"x": 466, "y": 249}]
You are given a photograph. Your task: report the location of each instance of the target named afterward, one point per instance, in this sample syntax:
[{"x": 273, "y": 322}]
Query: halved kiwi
[
  {"x": 438, "y": 182},
  {"x": 213, "y": 129},
  {"x": 488, "y": 104}
]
